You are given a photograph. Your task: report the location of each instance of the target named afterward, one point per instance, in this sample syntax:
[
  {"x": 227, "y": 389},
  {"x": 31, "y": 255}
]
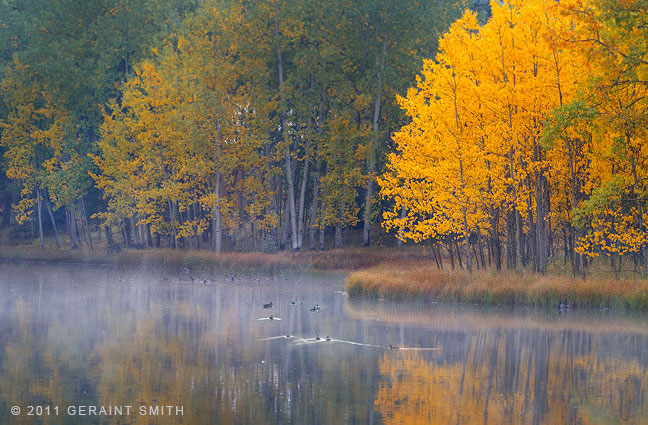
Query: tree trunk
[
  {"x": 452, "y": 263},
  {"x": 143, "y": 234},
  {"x": 40, "y": 219},
  {"x": 84, "y": 221},
  {"x": 51, "y": 215},
  {"x": 401, "y": 229},
  {"x": 518, "y": 224},
  {"x": 495, "y": 242},
  {"x": 275, "y": 202},
  {"x": 72, "y": 227},
  {"x": 302, "y": 198},
  {"x": 532, "y": 235},
  {"x": 541, "y": 224},
  {"x": 288, "y": 158},
  {"x": 217, "y": 219},
  {"x": 519, "y": 242},
  {"x": 466, "y": 240},
  {"x": 109, "y": 235},
  {"x": 291, "y": 198},
  {"x": 286, "y": 225},
  {"x": 134, "y": 234},
  {"x": 172, "y": 214},
  {"x": 338, "y": 234},
  {"x": 149, "y": 238},
  {"x": 366, "y": 231},
  {"x": 435, "y": 254},
  {"x": 314, "y": 206},
  {"x": 465, "y": 220},
  {"x": 124, "y": 236},
  {"x": 510, "y": 240},
  {"x": 316, "y": 180},
  {"x": 481, "y": 250},
  {"x": 322, "y": 228}
]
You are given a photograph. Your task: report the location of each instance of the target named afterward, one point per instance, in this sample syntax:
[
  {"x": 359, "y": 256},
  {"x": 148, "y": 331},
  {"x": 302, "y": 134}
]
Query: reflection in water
[
  {"x": 80, "y": 337},
  {"x": 73, "y": 336},
  {"x": 515, "y": 377}
]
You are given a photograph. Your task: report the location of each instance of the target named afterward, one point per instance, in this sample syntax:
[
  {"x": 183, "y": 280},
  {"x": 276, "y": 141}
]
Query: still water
[{"x": 198, "y": 352}]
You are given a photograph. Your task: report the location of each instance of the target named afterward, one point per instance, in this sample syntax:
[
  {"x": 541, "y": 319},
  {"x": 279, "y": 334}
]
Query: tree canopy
[{"x": 504, "y": 133}]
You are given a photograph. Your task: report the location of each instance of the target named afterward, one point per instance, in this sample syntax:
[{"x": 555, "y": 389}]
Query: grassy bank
[
  {"x": 374, "y": 272},
  {"x": 208, "y": 262},
  {"x": 425, "y": 282}
]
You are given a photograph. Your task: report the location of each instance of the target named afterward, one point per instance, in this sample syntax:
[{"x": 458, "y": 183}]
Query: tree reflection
[
  {"x": 145, "y": 342},
  {"x": 514, "y": 377},
  {"x": 152, "y": 345}
]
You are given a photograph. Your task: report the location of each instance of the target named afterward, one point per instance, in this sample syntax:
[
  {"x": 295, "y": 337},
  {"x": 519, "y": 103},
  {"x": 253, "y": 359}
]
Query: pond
[{"x": 152, "y": 348}]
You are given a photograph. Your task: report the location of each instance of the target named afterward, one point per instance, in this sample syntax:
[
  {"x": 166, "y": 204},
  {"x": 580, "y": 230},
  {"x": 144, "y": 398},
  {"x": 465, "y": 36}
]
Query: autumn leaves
[
  {"x": 520, "y": 123},
  {"x": 259, "y": 120},
  {"x": 255, "y": 125}
]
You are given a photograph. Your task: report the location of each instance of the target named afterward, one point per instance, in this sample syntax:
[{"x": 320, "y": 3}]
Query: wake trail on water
[
  {"x": 307, "y": 341},
  {"x": 277, "y": 337}
]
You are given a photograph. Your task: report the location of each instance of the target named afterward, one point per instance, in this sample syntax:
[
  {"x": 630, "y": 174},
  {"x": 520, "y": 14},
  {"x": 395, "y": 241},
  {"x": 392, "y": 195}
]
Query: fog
[{"x": 197, "y": 350}]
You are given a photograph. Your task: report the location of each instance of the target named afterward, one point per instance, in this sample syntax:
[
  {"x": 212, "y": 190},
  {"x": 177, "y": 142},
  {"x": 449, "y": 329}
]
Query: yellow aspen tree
[
  {"x": 472, "y": 159},
  {"x": 185, "y": 138},
  {"x": 32, "y": 135},
  {"x": 437, "y": 165},
  {"x": 611, "y": 35}
]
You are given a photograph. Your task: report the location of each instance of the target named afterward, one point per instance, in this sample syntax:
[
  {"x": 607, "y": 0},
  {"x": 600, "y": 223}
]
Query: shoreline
[
  {"x": 397, "y": 274},
  {"x": 169, "y": 261},
  {"x": 339, "y": 260}
]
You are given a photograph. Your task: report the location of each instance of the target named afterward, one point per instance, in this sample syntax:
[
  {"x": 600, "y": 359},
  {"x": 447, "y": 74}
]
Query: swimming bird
[
  {"x": 269, "y": 305},
  {"x": 393, "y": 347},
  {"x": 328, "y": 338},
  {"x": 317, "y": 338},
  {"x": 271, "y": 318},
  {"x": 315, "y": 308}
]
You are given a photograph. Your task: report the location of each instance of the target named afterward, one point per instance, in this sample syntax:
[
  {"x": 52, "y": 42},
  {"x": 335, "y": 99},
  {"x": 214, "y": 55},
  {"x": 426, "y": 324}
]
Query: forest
[{"x": 504, "y": 135}]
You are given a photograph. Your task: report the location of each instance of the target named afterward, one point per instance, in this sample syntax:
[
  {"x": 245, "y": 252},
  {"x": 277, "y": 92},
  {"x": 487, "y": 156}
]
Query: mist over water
[{"x": 98, "y": 336}]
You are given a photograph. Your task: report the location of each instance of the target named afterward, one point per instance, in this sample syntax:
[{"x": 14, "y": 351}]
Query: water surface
[{"x": 77, "y": 337}]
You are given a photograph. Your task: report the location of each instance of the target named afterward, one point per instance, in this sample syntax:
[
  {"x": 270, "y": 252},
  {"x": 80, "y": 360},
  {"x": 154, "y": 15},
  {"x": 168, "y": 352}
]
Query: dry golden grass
[{"x": 425, "y": 281}]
